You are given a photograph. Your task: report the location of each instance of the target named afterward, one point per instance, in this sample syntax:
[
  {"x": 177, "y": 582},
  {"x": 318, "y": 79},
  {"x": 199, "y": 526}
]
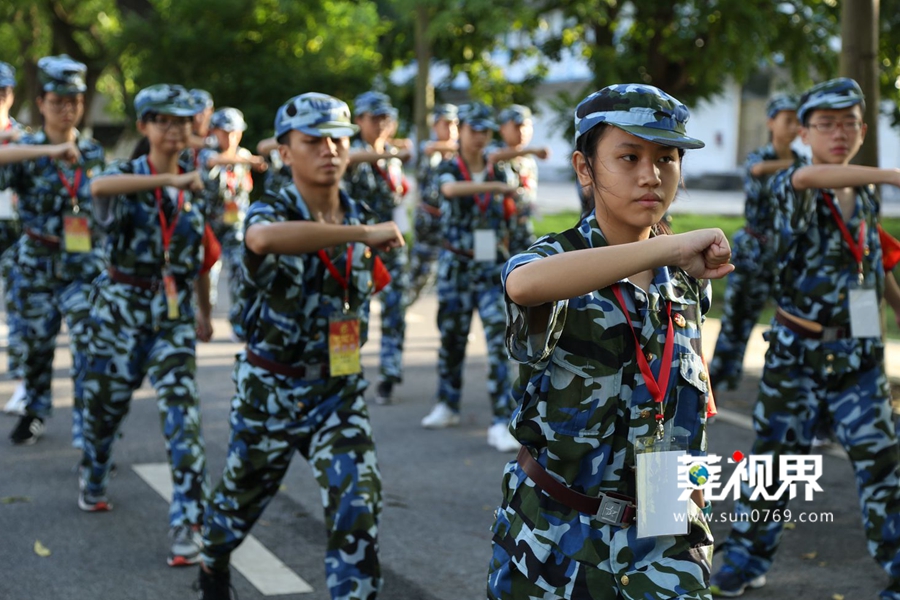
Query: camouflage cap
[
  {"x": 62, "y": 75},
  {"x": 228, "y": 119},
  {"x": 374, "y": 103},
  {"x": 842, "y": 92},
  {"x": 780, "y": 102},
  {"x": 516, "y": 113},
  {"x": 202, "y": 98},
  {"x": 642, "y": 110},
  {"x": 165, "y": 99},
  {"x": 445, "y": 111},
  {"x": 7, "y": 75},
  {"x": 315, "y": 114},
  {"x": 478, "y": 116}
]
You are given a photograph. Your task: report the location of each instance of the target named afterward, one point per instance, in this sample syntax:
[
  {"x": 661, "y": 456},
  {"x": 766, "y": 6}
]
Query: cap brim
[
  {"x": 334, "y": 130},
  {"x": 177, "y": 111},
  {"x": 662, "y": 137},
  {"x": 481, "y": 125},
  {"x": 5, "y": 83},
  {"x": 843, "y": 103}
]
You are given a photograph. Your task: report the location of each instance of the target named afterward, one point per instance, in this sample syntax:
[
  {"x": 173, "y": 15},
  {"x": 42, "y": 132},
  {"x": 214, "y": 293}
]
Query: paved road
[{"x": 440, "y": 489}]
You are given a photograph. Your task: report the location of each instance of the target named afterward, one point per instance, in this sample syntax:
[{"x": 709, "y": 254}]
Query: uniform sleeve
[
  {"x": 105, "y": 206},
  {"x": 261, "y": 213},
  {"x": 752, "y": 185},
  {"x": 532, "y": 343},
  {"x": 794, "y": 209},
  {"x": 14, "y": 175}
]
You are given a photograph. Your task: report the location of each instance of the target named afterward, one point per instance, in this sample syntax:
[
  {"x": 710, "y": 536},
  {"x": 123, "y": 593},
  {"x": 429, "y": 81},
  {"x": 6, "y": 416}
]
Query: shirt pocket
[{"x": 582, "y": 396}]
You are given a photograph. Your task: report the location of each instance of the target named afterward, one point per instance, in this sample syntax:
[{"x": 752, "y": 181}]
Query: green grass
[{"x": 729, "y": 225}]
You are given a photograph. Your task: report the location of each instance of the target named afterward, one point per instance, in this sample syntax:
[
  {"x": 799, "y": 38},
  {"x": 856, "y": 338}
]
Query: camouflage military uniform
[
  {"x": 805, "y": 380},
  {"x": 49, "y": 282},
  {"x": 522, "y": 173},
  {"x": 750, "y": 284},
  {"x": 133, "y": 337},
  {"x": 228, "y": 191},
  {"x": 10, "y": 230},
  {"x": 380, "y": 187},
  {"x": 427, "y": 222},
  {"x": 290, "y": 301},
  {"x": 582, "y": 401},
  {"x": 465, "y": 285}
]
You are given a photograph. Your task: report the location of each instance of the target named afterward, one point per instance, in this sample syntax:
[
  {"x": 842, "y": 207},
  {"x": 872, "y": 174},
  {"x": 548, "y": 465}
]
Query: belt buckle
[
  {"x": 611, "y": 510},
  {"x": 830, "y": 334}
]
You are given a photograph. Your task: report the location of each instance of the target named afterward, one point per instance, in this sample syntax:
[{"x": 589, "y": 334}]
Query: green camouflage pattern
[{"x": 581, "y": 406}]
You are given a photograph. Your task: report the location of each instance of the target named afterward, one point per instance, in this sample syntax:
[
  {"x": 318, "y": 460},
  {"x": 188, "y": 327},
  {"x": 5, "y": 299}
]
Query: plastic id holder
[
  {"x": 659, "y": 511},
  {"x": 865, "y": 316},
  {"x": 343, "y": 346},
  {"x": 76, "y": 233},
  {"x": 485, "y": 245},
  {"x": 170, "y": 289}
]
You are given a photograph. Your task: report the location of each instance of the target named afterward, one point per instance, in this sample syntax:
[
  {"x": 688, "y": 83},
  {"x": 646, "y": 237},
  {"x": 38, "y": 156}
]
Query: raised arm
[
  {"x": 842, "y": 176},
  {"x": 767, "y": 167},
  {"x": 116, "y": 185},
  {"x": 15, "y": 153},
  {"x": 303, "y": 237},
  {"x": 455, "y": 189}
]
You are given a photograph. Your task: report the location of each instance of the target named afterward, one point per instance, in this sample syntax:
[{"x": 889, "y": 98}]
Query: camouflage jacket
[
  {"x": 759, "y": 211},
  {"x": 581, "y": 392},
  {"x": 290, "y": 299},
  {"x": 44, "y": 200},
  {"x": 425, "y": 177},
  {"x": 224, "y": 184},
  {"x": 462, "y": 215},
  {"x": 379, "y": 185},
  {"x": 815, "y": 266}
]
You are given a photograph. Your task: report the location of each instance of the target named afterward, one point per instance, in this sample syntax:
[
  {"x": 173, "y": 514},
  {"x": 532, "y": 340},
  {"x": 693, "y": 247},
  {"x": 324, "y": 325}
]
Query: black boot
[{"x": 215, "y": 585}]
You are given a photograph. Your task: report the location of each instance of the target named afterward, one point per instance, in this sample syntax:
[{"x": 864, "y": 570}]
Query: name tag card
[
  {"x": 76, "y": 234},
  {"x": 6, "y": 205},
  {"x": 343, "y": 347},
  {"x": 865, "y": 316},
  {"x": 485, "y": 245},
  {"x": 659, "y": 511}
]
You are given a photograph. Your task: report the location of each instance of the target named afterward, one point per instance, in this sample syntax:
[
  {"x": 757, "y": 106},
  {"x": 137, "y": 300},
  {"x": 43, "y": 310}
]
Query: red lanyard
[
  {"x": 72, "y": 189},
  {"x": 344, "y": 282},
  {"x": 856, "y": 249},
  {"x": 482, "y": 200},
  {"x": 167, "y": 229},
  {"x": 665, "y": 369},
  {"x": 389, "y": 177}
]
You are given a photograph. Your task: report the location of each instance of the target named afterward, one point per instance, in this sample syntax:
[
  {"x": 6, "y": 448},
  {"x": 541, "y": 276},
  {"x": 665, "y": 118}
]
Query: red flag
[
  {"x": 380, "y": 274},
  {"x": 212, "y": 249},
  {"x": 890, "y": 249}
]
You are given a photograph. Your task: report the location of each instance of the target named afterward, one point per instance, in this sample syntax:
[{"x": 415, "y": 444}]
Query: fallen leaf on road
[
  {"x": 837, "y": 597},
  {"x": 790, "y": 526},
  {"x": 809, "y": 555},
  {"x": 40, "y": 549},
  {"x": 14, "y": 499}
]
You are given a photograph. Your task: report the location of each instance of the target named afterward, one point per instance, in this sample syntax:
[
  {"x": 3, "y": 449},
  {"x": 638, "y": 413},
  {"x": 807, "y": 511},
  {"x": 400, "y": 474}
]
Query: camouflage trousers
[
  {"x": 327, "y": 422},
  {"x": 544, "y": 550},
  {"x": 230, "y": 262},
  {"x": 125, "y": 346},
  {"x": 393, "y": 314},
  {"x": 464, "y": 287},
  {"x": 41, "y": 301},
  {"x": 748, "y": 288},
  {"x": 844, "y": 382},
  {"x": 14, "y": 339},
  {"x": 424, "y": 253}
]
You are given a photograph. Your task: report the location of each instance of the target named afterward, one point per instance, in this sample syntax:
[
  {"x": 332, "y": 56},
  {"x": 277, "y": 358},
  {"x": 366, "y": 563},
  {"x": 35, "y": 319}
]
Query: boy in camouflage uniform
[
  {"x": 57, "y": 258},
  {"x": 10, "y": 131},
  {"x": 376, "y": 177},
  {"x": 308, "y": 278},
  {"x": 587, "y": 323},
  {"x": 427, "y": 246},
  {"x": 227, "y": 175},
  {"x": 142, "y": 319},
  {"x": 825, "y": 356},
  {"x": 476, "y": 212},
  {"x": 750, "y": 286},
  {"x": 516, "y": 131}
]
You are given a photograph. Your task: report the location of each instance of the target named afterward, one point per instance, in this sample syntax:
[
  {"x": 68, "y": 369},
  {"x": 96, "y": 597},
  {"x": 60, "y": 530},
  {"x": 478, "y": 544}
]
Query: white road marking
[{"x": 252, "y": 560}]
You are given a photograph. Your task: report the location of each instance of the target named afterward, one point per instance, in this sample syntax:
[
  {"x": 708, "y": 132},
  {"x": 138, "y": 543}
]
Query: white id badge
[
  {"x": 401, "y": 218},
  {"x": 6, "y": 205},
  {"x": 865, "y": 316},
  {"x": 485, "y": 245},
  {"x": 659, "y": 511}
]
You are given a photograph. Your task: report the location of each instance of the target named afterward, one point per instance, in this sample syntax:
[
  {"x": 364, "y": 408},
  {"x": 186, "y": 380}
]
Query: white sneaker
[
  {"x": 16, "y": 403},
  {"x": 500, "y": 438},
  {"x": 440, "y": 416}
]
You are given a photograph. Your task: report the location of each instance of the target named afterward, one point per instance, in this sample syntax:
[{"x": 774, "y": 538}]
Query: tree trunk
[
  {"x": 859, "y": 60},
  {"x": 424, "y": 99}
]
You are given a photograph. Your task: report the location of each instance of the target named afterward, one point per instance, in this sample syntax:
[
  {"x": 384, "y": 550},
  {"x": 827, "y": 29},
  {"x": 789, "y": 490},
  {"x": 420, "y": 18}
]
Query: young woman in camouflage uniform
[
  {"x": 308, "y": 268},
  {"x": 604, "y": 320},
  {"x": 143, "y": 321},
  {"x": 57, "y": 258}
]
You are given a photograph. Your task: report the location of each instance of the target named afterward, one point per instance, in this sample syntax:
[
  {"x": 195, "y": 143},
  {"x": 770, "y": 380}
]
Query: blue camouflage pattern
[
  {"x": 10, "y": 230},
  {"x": 52, "y": 284},
  {"x": 7, "y": 75},
  {"x": 132, "y": 337},
  {"x": 62, "y": 75},
  {"x": 780, "y": 102},
  {"x": 581, "y": 406},
  {"x": 290, "y": 301},
  {"x": 840, "y": 382},
  {"x": 842, "y": 92},
  {"x": 426, "y": 247},
  {"x": 165, "y": 99},
  {"x": 315, "y": 114}
]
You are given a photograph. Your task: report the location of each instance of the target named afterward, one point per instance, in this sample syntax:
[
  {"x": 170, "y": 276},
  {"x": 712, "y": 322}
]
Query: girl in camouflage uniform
[
  {"x": 590, "y": 313},
  {"x": 142, "y": 319}
]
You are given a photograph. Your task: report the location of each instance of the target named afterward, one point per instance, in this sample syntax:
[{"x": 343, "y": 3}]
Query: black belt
[
  {"x": 610, "y": 508},
  {"x": 48, "y": 241},
  {"x": 307, "y": 372},
  {"x": 151, "y": 284}
]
